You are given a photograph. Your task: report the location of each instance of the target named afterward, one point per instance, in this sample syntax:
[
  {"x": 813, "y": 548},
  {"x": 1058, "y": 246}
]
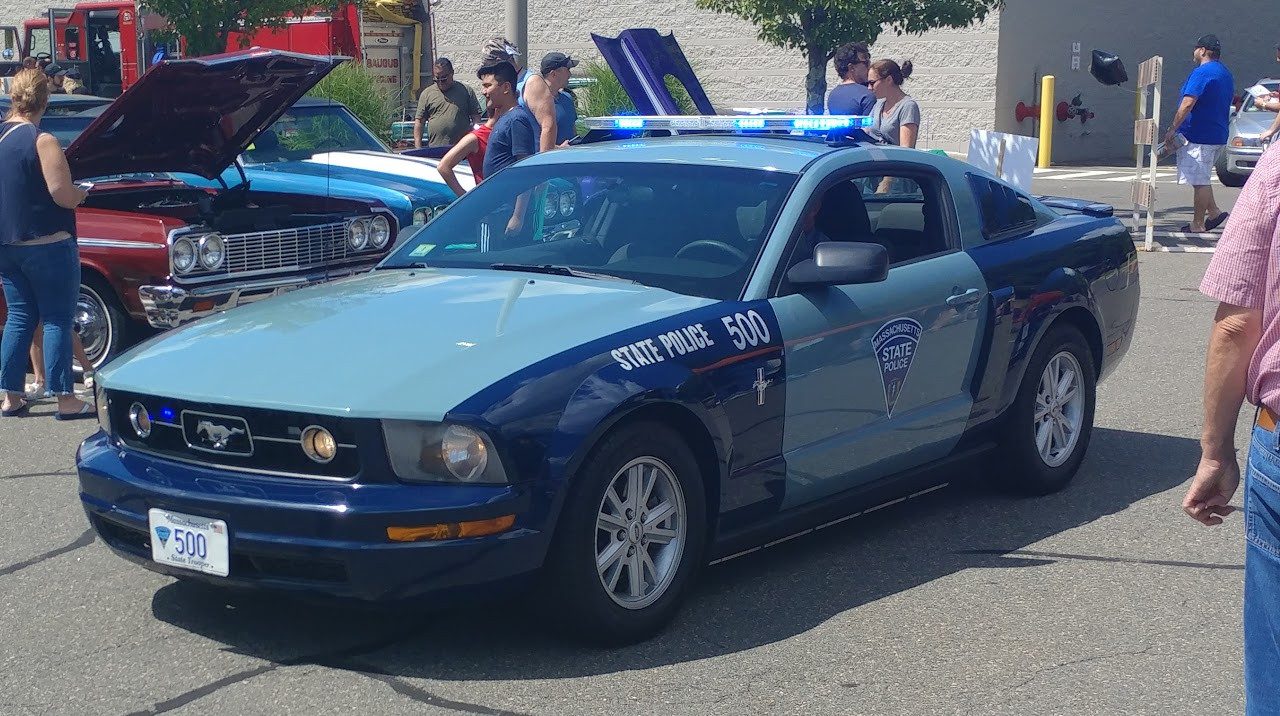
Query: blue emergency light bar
[{"x": 729, "y": 123}]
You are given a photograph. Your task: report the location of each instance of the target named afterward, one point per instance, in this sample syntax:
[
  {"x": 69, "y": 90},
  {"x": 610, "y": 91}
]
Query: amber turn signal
[{"x": 451, "y": 530}]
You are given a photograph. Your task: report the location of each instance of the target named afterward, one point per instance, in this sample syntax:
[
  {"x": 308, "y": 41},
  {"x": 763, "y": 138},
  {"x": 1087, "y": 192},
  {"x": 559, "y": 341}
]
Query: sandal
[
  {"x": 18, "y": 411},
  {"x": 35, "y": 391},
  {"x": 85, "y": 411},
  {"x": 1212, "y": 224}
]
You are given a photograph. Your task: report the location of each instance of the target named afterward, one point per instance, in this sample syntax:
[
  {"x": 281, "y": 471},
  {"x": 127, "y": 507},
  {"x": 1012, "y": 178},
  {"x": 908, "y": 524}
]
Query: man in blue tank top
[{"x": 1203, "y": 119}]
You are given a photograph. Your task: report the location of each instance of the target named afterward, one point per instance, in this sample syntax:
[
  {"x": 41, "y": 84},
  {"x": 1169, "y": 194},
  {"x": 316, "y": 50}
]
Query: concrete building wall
[
  {"x": 954, "y": 79},
  {"x": 1036, "y": 39}
]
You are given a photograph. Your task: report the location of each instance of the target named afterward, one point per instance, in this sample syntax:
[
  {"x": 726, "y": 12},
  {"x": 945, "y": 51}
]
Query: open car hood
[
  {"x": 196, "y": 115},
  {"x": 642, "y": 58}
]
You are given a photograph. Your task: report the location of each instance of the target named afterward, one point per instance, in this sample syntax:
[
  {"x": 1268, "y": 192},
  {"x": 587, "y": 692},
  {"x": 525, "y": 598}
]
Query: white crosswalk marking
[{"x": 1164, "y": 175}]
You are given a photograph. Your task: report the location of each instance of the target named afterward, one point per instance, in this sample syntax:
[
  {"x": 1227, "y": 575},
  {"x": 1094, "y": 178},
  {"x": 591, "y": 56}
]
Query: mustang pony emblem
[{"x": 216, "y": 436}]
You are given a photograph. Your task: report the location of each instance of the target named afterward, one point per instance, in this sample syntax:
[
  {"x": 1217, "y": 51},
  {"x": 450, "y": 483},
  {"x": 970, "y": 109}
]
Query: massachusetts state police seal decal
[{"x": 895, "y": 348}]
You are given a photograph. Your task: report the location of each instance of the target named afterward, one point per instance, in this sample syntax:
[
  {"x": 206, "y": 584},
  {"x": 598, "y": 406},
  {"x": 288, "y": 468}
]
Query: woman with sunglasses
[{"x": 897, "y": 116}]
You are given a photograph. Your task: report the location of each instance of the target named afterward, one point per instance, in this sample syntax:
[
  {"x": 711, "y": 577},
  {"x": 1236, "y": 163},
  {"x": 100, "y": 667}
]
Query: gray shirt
[{"x": 906, "y": 111}]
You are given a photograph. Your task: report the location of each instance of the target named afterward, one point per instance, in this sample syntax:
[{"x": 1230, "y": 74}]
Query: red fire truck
[{"x": 113, "y": 42}]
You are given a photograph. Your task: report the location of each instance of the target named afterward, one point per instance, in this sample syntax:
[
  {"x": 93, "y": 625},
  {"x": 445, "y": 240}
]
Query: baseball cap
[
  {"x": 556, "y": 60},
  {"x": 1209, "y": 42},
  {"x": 74, "y": 73},
  {"x": 53, "y": 69}
]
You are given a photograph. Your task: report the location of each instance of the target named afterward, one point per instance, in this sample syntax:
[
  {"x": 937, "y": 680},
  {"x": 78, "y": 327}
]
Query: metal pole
[
  {"x": 518, "y": 27},
  {"x": 1046, "y": 122}
]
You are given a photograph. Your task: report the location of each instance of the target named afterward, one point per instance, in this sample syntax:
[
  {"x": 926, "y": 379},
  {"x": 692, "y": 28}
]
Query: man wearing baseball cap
[
  {"x": 531, "y": 89},
  {"x": 1203, "y": 119},
  {"x": 555, "y": 70},
  {"x": 56, "y": 74}
]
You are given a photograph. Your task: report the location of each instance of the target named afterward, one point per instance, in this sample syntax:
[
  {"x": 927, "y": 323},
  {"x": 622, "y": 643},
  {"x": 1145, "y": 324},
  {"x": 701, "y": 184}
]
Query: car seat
[{"x": 843, "y": 216}]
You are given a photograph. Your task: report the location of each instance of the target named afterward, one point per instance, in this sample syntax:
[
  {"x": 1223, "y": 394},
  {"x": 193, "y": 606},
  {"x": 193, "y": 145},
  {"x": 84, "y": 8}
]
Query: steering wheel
[{"x": 711, "y": 244}]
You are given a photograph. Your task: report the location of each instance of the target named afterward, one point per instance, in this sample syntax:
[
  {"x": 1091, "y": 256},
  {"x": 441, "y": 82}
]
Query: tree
[
  {"x": 819, "y": 27},
  {"x": 206, "y": 25}
]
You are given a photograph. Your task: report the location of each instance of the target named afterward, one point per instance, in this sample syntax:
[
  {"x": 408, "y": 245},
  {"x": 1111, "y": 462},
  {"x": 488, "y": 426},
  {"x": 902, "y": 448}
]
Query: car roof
[{"x": 749, "y": 152}]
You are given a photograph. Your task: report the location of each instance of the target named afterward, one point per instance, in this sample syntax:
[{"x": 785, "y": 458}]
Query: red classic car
[{"x": 156, "y": 252}]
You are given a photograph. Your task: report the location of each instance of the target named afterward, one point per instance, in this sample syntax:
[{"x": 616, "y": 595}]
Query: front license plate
[{"x": 189, "y": 542}]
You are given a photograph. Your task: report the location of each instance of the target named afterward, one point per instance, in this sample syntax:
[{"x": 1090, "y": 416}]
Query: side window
[
  {"x": 1005, "y": 212},
  {"x": 903, "y": 213}
]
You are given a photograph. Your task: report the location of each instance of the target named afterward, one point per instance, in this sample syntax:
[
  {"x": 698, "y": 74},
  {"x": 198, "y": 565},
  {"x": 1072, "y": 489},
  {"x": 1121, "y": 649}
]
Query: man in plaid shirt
[{"x": 1244, "y": 363}]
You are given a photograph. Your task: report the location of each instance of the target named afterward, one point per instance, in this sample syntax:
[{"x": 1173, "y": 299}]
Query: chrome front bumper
[
  {"x": 1242, "y": 160},
  {"x": 171, "y": 306}
]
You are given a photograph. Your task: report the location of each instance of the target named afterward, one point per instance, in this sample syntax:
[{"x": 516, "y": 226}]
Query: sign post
[{"x": 1145, "y": 131}]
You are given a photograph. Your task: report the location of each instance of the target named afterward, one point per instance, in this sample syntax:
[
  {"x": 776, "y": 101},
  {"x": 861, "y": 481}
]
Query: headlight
[
  {"x": 421, "y": 216},
  {"x": 1245, "y": 142},
  {"x": 212, "y": 252},
  {"x": 318, "y": 444},
  {"x": 436, "y": 452},
  {"x": 100, "y": 402},
  {"x": 551, "y": 205},
  {"x": 140, "y": 420},
  {"x": 568, "y": 200},
  {"x": 184, "y": 255},
  {"x": 379, "y": 232},
  {"x": 358, "y": 235}
]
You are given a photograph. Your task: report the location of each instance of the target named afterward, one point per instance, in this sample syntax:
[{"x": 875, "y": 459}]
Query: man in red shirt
[{"x": 1244, "y": 363}]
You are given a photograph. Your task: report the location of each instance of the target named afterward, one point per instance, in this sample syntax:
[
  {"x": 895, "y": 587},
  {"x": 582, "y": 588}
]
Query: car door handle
[{"x": 964, "y": 299}]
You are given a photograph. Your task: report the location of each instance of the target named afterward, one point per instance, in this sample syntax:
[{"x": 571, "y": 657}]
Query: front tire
[
  {"x": 1051, "y": 420},
  {"x": 101, "y": 321},
  {"x": 632, "y": 534},
  {"x": 1229, "y": 179}
]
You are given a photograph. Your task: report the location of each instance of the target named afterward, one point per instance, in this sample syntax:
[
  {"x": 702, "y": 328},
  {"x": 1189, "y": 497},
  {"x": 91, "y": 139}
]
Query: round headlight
[
  {"x": 140, "y": 419},
  {"x": 212, "y": 252},
  {"x": 184, "y": 255},
  {"x": 379, "y": 232},
  {"x": 421, "y": 216},
  {"x": 319, "y": 444},
  {"x": 358, "y": 235},
  {"x": 567, "y": 202},
  {"x": 551, "y": 206},
  {"x": 463, "y": 452}
]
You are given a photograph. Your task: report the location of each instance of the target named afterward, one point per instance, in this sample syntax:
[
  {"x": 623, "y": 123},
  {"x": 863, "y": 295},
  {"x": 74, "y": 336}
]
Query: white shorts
[{"x": 1195, "y": 163}]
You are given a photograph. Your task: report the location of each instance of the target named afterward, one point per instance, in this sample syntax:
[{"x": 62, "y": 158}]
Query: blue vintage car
[
  {"x": 292, "y": 157},
  {"x": 751, "y": 335}
]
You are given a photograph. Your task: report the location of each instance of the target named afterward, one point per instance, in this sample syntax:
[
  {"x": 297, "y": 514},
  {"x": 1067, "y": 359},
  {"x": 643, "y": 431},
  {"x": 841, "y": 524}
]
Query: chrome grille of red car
[{"x": 287, "y": 248}]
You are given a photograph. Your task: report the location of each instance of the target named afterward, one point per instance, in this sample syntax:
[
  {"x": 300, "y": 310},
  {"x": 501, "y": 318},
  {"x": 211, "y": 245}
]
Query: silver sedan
[{"x": 1244, "y": 149}]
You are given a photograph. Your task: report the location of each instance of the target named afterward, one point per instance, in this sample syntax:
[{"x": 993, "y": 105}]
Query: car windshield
[
  {"x": 305, "y": 131},
  {"x": 693, "y": 229},
  {"x": 1249, "y": 106}
]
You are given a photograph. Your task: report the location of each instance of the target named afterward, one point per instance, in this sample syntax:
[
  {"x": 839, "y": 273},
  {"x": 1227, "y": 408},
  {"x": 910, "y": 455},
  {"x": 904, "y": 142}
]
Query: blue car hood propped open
[{"x": 642, "y": 58}]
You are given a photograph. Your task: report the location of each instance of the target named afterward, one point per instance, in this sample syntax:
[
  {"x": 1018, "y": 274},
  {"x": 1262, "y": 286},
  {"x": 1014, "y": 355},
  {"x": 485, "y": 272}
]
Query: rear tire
[
  {"x": 636, "y": 507},
  {"x": 1047, "y": 432}
]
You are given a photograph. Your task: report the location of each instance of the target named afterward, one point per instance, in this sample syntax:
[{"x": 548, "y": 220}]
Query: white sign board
[
  {"x": 1012, "y": 157},
  {"x": 383, "y": 45}
]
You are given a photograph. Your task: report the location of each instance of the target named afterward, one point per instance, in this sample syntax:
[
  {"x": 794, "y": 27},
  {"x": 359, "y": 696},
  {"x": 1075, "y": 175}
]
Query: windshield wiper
[{"x": 558, "y": 270}]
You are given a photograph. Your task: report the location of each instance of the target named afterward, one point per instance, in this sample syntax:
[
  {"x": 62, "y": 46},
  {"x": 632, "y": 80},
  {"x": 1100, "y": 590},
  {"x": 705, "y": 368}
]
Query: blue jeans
[
  {"x": 41, "y": 283},
  {"x": 1262, "y": 576}
]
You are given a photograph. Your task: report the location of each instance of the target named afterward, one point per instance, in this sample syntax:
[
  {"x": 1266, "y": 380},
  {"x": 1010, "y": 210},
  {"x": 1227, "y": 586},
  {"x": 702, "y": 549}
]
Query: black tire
[
  {"x": 101, "y": 321},
  {"x": 1019, "y": 466},
  {"x": 1229, "y": 179},
  {"x": 572, "y": 588}
]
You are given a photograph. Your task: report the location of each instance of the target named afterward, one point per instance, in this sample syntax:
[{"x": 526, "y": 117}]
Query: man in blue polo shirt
[{"x": 1203, "y": 119}]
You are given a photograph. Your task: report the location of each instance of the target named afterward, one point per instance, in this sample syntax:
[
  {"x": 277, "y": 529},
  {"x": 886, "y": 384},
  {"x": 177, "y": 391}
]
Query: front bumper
[
  {"x": 313, "y": 538},
  {"x": 170, "y": 306},
  {"x": 1242, "y": 160}
]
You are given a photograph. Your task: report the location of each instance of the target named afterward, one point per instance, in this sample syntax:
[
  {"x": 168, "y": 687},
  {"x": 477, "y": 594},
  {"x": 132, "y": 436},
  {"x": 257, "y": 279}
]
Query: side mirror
[{"x": 841, "y": 264}]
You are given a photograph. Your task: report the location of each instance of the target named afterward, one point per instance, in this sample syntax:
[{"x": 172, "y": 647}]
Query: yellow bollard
[{"x": 1046, "y": 121}]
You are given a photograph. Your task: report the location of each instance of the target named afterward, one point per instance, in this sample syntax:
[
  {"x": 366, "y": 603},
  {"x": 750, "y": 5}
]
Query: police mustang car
[{"x": 749, "y": 335}]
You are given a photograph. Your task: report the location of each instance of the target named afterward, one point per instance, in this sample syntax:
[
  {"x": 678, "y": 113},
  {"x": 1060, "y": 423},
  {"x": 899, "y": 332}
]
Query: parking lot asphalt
[{"x": 1102, "y": 599}]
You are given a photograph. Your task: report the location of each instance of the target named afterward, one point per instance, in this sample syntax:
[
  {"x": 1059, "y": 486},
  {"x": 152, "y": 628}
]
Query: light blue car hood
[{"x": 386, "y": 344}]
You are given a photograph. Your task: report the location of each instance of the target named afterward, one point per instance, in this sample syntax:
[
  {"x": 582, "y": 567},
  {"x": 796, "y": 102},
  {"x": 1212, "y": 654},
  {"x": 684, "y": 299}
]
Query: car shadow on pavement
[{"x": 757, "y": 599}]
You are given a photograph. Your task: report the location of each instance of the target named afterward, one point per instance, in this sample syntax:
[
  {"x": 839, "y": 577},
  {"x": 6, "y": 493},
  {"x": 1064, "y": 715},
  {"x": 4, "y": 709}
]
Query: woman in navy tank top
[{"x": 39, "y": 260}]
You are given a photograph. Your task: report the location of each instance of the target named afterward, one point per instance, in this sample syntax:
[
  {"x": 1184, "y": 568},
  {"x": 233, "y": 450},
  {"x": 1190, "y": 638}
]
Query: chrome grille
[{"x": 286, "y": 248}]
